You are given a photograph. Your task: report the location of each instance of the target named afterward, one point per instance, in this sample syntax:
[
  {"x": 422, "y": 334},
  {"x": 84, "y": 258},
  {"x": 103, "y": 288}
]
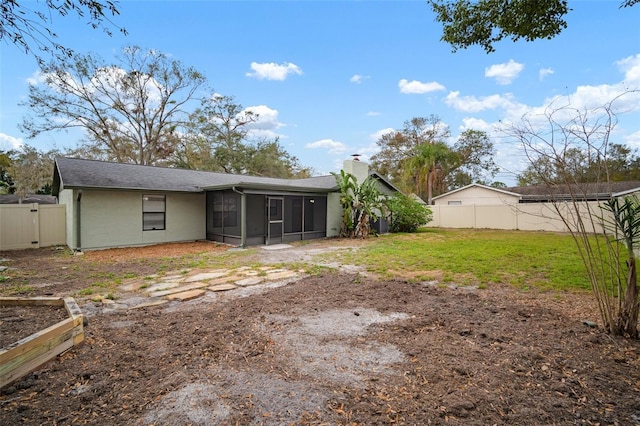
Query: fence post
[{"x": 35, "y": 241}]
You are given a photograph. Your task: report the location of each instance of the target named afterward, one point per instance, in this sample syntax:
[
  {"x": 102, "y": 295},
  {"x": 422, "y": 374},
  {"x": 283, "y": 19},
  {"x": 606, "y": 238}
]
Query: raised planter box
[{"x": 22, "y": 357}]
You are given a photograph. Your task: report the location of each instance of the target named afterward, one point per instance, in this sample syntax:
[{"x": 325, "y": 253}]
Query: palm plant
[
  {"x": 429, "y": 158},
  {"x": 348, "y": 186},
  {"x": 624, "y": 224},
  {"x": 361, "y": 204}
]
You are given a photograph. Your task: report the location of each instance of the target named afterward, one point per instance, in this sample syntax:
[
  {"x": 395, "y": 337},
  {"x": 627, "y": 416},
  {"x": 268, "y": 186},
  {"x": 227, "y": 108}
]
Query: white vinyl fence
[
  {"x": 525, "y": 217},
  {"x": 31, "y": 226}
]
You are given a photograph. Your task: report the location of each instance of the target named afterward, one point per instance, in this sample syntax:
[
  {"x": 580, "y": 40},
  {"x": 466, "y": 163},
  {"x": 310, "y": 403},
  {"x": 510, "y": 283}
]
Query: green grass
[
  {"x": 19, "y": 289},
  {"x": 479, "y": 257}
]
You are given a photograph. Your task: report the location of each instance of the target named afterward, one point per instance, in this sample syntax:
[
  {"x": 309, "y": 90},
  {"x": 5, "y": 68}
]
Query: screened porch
[{"x": 246, "y": 218}]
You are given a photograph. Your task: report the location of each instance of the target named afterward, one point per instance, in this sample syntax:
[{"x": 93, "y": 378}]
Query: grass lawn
[{"x": 476, "y": 257}]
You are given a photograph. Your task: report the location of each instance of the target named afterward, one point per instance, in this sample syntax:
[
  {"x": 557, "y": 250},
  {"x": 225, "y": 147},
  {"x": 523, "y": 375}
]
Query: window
[
  {"x": 454, "y": 203},
  {"x": 153, "y": 212},
  {"x": 230, "y": 212}
]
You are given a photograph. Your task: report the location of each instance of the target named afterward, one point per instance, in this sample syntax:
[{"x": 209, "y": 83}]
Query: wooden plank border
[{"x": 20, "y": 358}]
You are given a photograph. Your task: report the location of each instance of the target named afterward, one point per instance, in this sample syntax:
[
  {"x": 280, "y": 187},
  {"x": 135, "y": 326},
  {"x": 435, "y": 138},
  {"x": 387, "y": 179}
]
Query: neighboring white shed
[{"x": 477, "y": 194}]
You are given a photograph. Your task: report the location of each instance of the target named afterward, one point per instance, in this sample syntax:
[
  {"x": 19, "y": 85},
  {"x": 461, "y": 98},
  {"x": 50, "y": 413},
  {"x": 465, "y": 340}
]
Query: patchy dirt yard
[{"x": 332, "y": 348}]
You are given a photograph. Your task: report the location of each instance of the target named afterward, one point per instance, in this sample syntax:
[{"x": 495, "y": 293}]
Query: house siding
[
  {"x": 114, "y": 219},
  {"x": 66, "y": 197},
  {"x": 476, "y": 195},
  {"x": 334, "y": 214}
]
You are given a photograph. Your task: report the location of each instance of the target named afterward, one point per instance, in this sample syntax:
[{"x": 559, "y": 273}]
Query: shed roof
[
  {"x": 505, "y": 191},
  {"x": 76, "y": 173}
]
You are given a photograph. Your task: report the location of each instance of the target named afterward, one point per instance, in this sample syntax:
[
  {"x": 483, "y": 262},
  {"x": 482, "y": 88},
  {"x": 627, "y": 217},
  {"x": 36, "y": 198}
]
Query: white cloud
[
  {"x": 333, "y": 147},
  {"x": 544, "y": 72},
  {"x": 373, "y": 114},
  {"x": 367, "y": 151},
  {"x": 266, "y": 125},
  {"x": 9, "y": 142},
  {"x": 377, "y": 135},
  {"x": 267, "y": 117},
  {"x": 273, "y": 71},
  {"x": 471, "y": 123},
  {"x": 418, "y": 87},
  {"x": 36, "y": 78},
  {"x": 630, "y": 66},
  {"x": 357, "y": 78},
  {"x": 504, "y": 73},
  {"x": 633, "y": 140},
  {"x": 475, "y": 104}
]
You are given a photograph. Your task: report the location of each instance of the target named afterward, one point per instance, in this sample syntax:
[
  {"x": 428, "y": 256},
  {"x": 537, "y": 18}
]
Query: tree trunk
[
  {"x": 628, "y": 316},
  {"x": 429, "y": 186}
]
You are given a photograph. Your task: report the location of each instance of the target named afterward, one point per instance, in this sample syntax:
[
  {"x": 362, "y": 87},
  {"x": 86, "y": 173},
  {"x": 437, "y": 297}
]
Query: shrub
[{"x": 407, "y": 214}]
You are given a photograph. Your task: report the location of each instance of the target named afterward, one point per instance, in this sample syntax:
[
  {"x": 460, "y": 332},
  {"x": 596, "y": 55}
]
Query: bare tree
[
  {"x": 216, "y": 135},
  {"x": 606, "y": 234},
  {"x": 130, "y": 111}
]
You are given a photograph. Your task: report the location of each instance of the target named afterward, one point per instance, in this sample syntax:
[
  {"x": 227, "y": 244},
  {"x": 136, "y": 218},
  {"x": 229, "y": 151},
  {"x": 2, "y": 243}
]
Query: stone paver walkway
[{"x": 190, "y": 284}]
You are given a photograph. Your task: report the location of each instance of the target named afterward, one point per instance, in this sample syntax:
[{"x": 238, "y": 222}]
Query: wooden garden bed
[{"x": 22, "y": 357}]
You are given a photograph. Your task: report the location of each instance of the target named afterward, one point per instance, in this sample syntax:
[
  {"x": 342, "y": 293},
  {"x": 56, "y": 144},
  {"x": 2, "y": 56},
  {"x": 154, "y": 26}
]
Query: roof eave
[
  {"x": 266, "y": 186},
  {"x": 123, "y": 188}
]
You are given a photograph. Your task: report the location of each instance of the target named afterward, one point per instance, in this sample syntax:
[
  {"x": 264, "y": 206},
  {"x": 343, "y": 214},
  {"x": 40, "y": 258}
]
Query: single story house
[
  {"x": 485, "y": 195},
  {"x": 114, "y": 205}
]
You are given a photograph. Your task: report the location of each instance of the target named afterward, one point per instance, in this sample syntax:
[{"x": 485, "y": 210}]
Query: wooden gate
[{"x": 31, "y": 226}]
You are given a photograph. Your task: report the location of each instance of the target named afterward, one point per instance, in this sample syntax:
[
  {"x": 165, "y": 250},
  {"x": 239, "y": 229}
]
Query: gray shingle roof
[
  {"x": 590, "y": 191},
  {"x": 77, "y": 173}
]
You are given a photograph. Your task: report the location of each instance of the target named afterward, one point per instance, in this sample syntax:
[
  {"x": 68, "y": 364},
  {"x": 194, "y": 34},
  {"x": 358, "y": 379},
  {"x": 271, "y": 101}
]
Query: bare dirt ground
[{"x": 335, "y": 348}]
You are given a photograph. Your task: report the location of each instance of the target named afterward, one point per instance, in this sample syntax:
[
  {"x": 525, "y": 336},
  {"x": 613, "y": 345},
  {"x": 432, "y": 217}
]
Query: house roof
[
  {"x": 29, "y": 199},
  {"x": 477, "y": 185},
  {"x": 72, "y": 173},
  {"x": 587, "y": 191},
  {"x": 583, "y": 191}
]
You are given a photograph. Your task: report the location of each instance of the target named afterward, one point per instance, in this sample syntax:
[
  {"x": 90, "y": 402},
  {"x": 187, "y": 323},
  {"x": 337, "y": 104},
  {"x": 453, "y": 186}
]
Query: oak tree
[
  {"x": 131, "y": 111},
  {"x": 484, "y": 22}
]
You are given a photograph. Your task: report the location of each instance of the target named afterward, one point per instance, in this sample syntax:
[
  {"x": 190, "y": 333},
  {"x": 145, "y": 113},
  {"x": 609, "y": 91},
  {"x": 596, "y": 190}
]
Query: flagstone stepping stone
[
  {"x": 161, "y": 286},
  {"x": 224, "y": 280},
  {"x": 178, "y": 289},
  {"x": 205, "y": 276},
  {"x": 186, "y": 295},
  {"x": 148, "y": 304},
  {"x": 249, "y": 281},
  {"x": 133, "y": 285},
  {"x": 281, "y": 275},
  {"x": 172, "y": 278},
  {"x": 222, "y": 287}
]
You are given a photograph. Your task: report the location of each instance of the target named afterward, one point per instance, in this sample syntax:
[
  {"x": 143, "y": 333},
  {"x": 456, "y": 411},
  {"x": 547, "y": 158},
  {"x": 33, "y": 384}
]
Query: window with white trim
[{"x": 154, "y": 209}]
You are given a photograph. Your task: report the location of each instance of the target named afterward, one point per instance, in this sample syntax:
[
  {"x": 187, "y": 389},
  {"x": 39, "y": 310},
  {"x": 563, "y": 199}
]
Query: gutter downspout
[
  {"x": 243, "y": 216},
  {"x": 78, "y": 222}
]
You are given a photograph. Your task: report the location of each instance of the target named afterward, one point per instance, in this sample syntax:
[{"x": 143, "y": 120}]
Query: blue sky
[{"x": 328, "y": 77}]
